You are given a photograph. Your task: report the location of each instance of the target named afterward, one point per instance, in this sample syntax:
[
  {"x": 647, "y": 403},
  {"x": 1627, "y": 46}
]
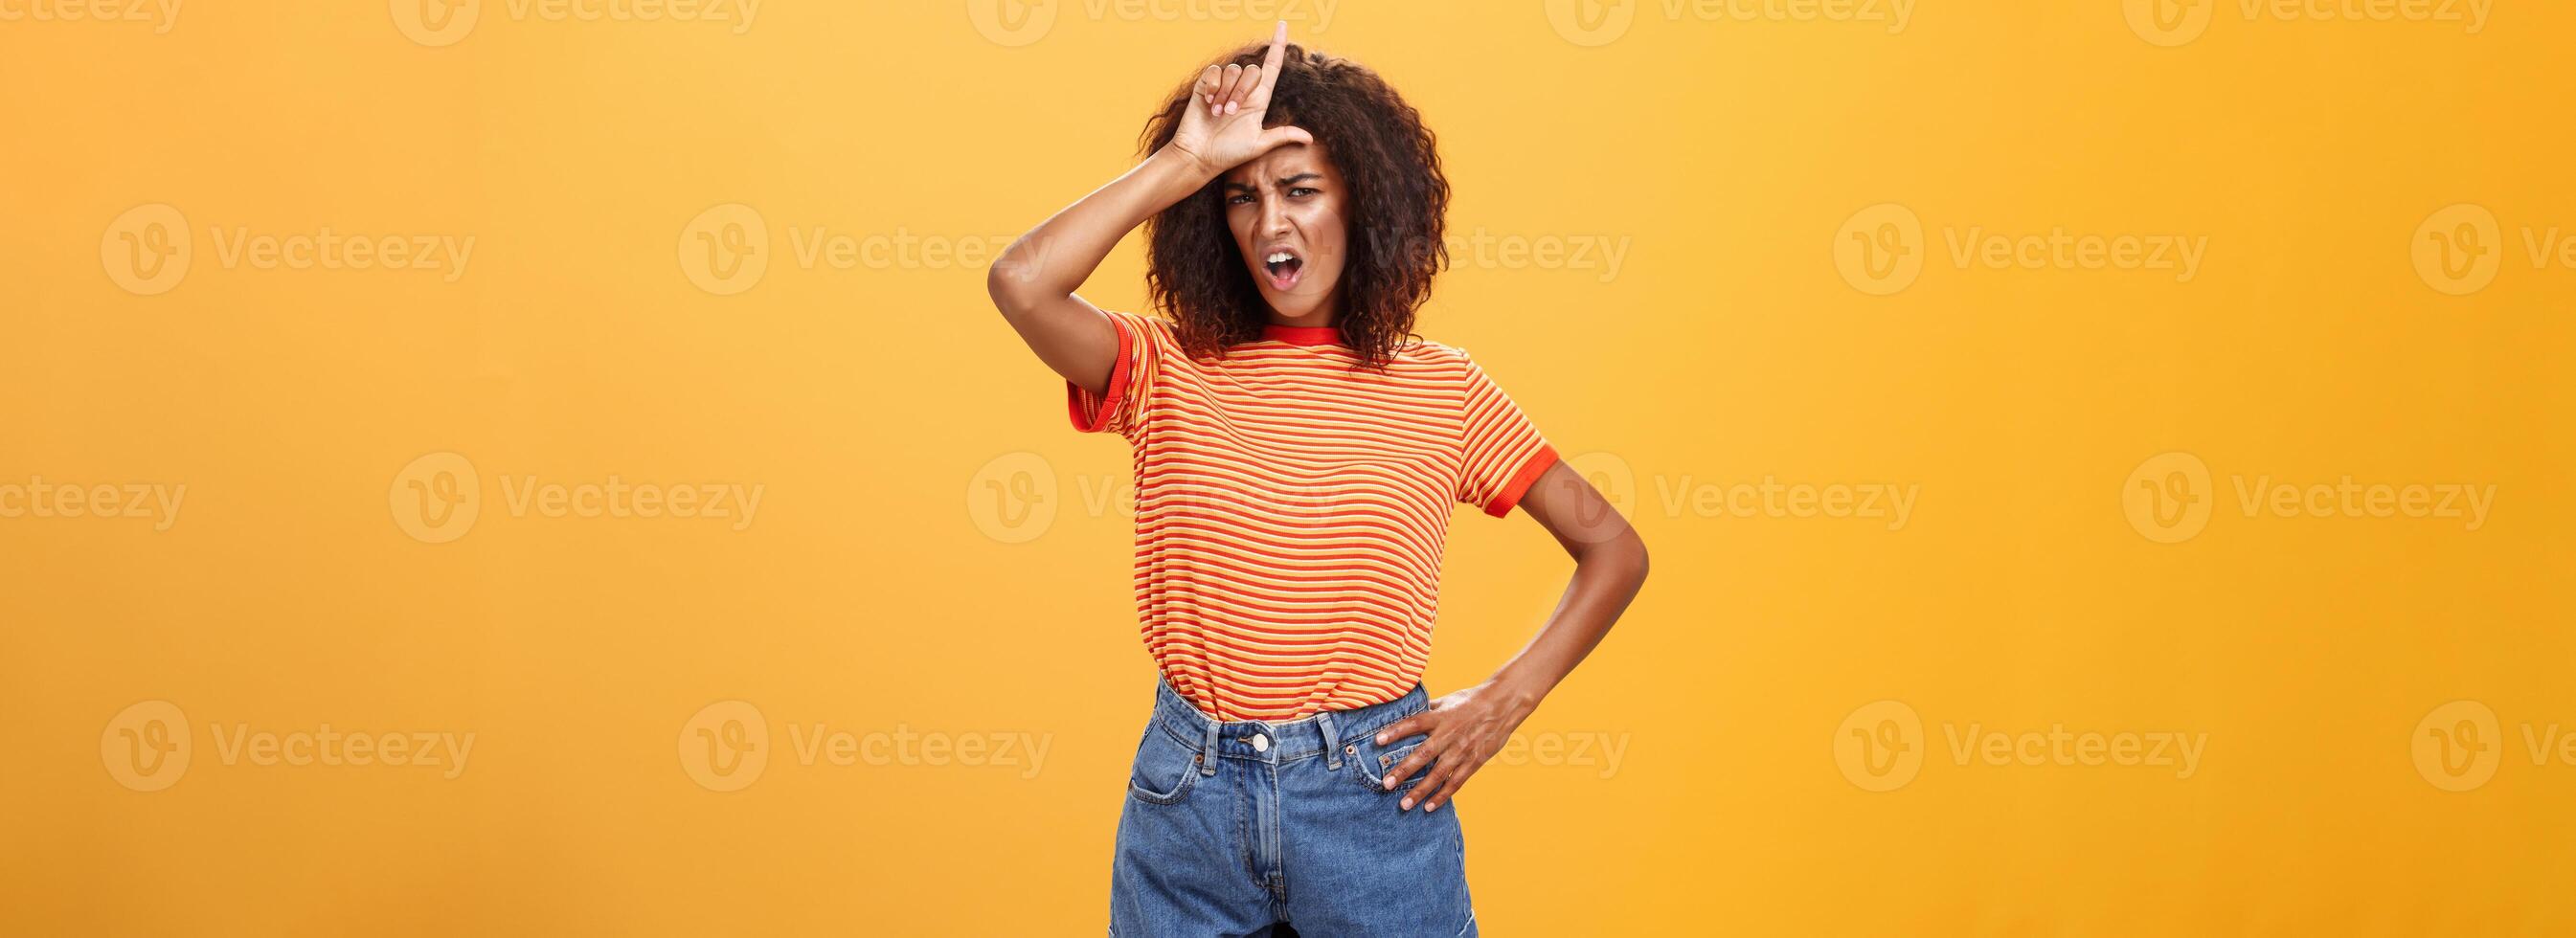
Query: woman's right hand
[{"x": 1221, "y": 126}]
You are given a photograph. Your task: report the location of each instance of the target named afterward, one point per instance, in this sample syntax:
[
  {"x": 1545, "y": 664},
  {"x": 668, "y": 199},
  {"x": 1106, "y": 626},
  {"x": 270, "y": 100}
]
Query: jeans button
[{"x": 1260, "y": 743}]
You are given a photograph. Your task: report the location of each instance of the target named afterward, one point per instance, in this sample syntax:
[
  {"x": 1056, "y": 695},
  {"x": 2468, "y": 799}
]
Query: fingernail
[
  {"x": 1381, "y": 739},
  {"x": 1389, "y": 783},
  {"x": 1405, "y": 805},
  {"x": 1431, "y": 808},
  {"x": 1229, "y": 107}
]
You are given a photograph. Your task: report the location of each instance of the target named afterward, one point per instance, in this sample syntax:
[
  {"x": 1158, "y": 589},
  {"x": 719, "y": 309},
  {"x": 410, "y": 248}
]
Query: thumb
[{"x": 1283, "y": 135}]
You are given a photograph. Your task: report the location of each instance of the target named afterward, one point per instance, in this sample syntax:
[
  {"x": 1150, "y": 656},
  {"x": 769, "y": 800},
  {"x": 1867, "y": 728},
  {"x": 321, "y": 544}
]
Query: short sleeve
[
  {"x": 1504, "y": 452},
  {"x": 1118, "y": 408}
]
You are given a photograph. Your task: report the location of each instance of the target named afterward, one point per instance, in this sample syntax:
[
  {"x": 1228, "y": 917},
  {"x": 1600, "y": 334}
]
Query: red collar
[{"x": 1303, "y": 335}]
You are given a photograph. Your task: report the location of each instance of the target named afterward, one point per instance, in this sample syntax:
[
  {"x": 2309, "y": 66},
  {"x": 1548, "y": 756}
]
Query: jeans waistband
[{"x": 1325, "y": 733}]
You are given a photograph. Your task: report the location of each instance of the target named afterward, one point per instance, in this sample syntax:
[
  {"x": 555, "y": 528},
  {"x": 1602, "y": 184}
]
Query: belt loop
[
  {"x": 1332, "y": 741},
  {"x": 1207, "y": 755}
]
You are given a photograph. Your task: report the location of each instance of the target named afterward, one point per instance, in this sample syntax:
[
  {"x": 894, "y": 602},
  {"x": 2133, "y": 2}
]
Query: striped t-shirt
[{"x": 1290, "y": 510}]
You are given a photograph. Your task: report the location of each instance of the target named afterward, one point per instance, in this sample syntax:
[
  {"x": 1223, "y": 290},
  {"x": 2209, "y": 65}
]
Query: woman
[{"x": 1298, "y": 454}]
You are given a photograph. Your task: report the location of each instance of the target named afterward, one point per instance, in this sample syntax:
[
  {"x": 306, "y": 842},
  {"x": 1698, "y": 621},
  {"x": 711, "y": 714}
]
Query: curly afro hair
[{"x": 1398, "y": 198}]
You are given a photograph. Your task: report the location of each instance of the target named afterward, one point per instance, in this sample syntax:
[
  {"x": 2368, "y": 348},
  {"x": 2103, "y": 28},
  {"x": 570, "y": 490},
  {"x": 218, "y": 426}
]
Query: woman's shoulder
[{"x": 1426, "y": 353}]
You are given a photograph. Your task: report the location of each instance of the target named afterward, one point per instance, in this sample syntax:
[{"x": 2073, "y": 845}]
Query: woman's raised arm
[{"x": 1033, "y": 281}]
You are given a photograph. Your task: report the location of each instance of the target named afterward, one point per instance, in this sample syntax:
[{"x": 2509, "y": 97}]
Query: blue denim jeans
[{"x": 1241, "y": 828}]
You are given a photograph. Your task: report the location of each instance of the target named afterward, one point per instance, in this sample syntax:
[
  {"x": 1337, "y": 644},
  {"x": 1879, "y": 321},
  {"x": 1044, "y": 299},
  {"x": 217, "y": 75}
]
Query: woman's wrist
[
  {"x": 1184, "y": 167},
  {"x": 1519, "y": 690}
]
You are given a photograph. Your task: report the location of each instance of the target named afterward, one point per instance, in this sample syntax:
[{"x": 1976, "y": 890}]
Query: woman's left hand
[{"x": 1467, "y": 728}]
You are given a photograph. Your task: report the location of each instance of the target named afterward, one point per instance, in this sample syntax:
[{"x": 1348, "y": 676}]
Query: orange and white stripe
[{"x": 1291, "y": 509}]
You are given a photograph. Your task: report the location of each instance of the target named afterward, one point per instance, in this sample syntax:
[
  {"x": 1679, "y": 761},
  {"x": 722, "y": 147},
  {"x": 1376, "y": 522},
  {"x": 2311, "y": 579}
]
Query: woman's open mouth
[{"x": 1283, "y": 268}]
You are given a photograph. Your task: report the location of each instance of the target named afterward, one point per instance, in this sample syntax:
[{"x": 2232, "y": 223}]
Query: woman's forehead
[{"x": 1284, "y": 162}]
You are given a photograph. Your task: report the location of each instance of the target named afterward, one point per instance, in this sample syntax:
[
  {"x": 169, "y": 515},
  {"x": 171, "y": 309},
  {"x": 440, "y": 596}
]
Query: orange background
[{"x": 933, "y": 555}]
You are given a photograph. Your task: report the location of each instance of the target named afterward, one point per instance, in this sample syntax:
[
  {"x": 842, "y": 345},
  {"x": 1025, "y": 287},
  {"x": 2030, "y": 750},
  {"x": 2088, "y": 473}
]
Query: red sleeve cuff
[
  {"x": 1502, "y": 502},
  {"x": 1092, "y": 415}
]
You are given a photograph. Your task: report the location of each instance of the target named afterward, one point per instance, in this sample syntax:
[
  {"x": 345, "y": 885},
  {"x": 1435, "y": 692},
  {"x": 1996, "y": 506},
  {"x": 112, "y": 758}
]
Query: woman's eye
[
  {"x": 1301, "y": 192},
  {"x": 1238, "y": 200}
]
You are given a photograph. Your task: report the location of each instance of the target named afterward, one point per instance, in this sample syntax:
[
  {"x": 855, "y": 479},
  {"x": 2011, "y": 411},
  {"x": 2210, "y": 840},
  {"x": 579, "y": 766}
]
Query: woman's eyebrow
[{"x": 1231, "y": 185}]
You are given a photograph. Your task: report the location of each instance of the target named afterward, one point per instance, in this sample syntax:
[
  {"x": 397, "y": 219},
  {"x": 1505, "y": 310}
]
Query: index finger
[
  {"x": 1270, "y": 60},
  {"x": 1417, "y": 723}
]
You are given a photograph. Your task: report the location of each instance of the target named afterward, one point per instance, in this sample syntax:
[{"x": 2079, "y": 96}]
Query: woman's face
[{"x": 1286, "y": 209}]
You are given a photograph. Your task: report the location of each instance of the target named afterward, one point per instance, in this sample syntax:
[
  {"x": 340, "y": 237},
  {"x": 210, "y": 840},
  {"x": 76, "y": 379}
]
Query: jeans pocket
[
  {"x": 1375, "y": 761},
  {"x": 1163, "y": 771}
]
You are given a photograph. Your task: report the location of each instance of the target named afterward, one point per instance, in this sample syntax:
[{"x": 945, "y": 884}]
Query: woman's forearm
[
  {"x": 1033, "y": 281},
  {"x": 1054, "y": 258},
  {"x": 1606, "y": 578}
]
